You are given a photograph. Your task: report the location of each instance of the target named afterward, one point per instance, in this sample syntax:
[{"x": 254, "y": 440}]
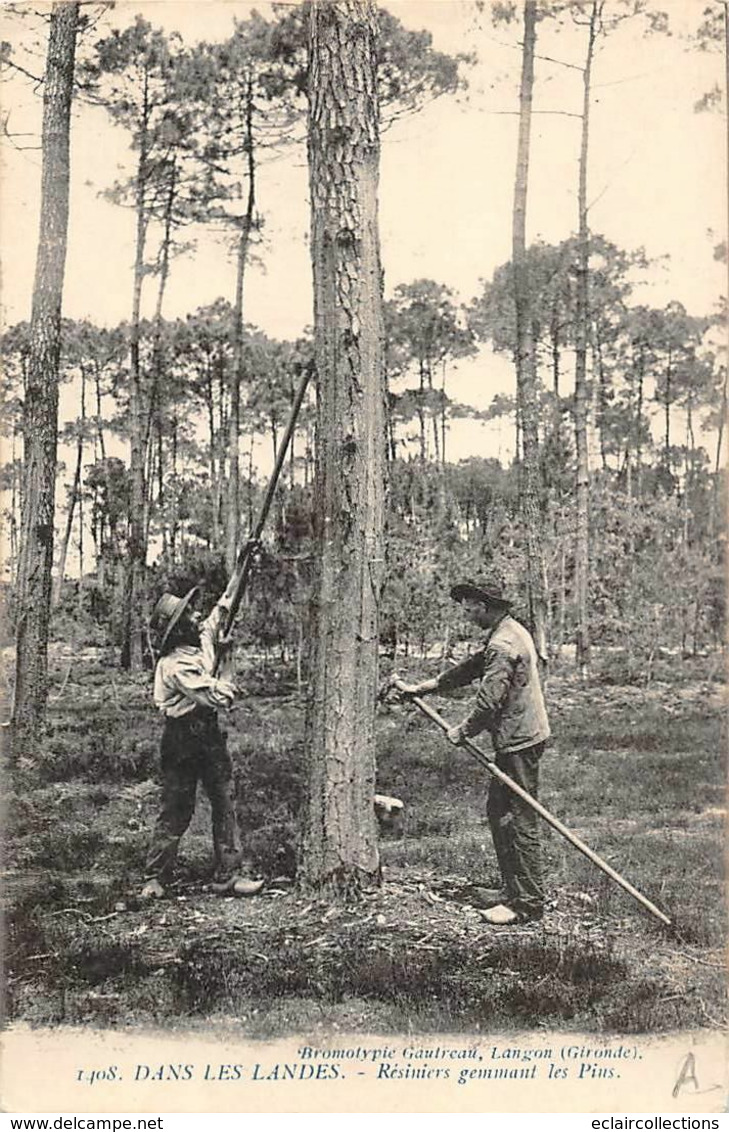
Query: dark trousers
[
  {"x": 193, "y": 749},
  {"x": 515, "y": 830}
]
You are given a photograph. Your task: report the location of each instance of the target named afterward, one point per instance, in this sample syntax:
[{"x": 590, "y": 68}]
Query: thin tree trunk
[
  {"x": 599, "y": 361},
  {"x": 161, "y": 494},
  {"x": 99, "y": 427},
  {"x": 174, "y": 520},
  {"x": 639, "y": 420},
  {"x": 667, "y": 413},
  {"x": 250, "y": 481},
  {"x": 582, "y": 541},
  {"x": 391, "y": 448},
  {"x": 443, "y": 416},
  {"x": 339, "y": 835},
  {"x": 688, "y": 470},
  {"x": 421, "y": 414},
  {"x": 292, "y": 442},
  {"x": 40, "y": 425},
  {"x": 526, "y": 369},
  {"x": 74, "y": 496},
  {"x": 434, "y": 414},
  {"x": 719, "y": 442},
  {"x": 155, "y": 417},
  {"x": 132, "y": 649},
  {"x": 232, "y": 517},
  {"x": 562, "y": 598},
  {"x": 209, "y": 395},
  {"x": 222, "y": 449},
  {"x": 14, "y": 508},
  {"x": 81, "y": 561}
]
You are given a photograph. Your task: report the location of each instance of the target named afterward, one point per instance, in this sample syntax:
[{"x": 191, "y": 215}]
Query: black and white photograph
[{"x": 364, "y": 503}]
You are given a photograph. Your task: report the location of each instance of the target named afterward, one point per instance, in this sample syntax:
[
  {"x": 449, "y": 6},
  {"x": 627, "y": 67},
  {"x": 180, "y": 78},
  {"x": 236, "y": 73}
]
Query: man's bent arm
[
  {"x": 461, "y": 674},
  {"x": 202, "y": 688},
  {"x": 497, "y": 674}
]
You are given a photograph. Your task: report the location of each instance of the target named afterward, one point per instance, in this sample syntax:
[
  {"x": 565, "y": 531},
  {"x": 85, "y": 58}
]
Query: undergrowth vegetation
[{"x": 638, "y": 774}]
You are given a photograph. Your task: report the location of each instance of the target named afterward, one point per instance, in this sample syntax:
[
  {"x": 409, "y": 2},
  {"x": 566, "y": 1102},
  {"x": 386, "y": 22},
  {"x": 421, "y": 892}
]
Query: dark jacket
[{"x": 510, "y": 703}]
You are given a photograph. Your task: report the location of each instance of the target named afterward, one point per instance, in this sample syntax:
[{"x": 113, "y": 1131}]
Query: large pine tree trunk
[
  {"x": 530, "y": 485},
  {"x": 33, "y": 595},
  {"x": 582, "y": 499},
  {"x": 339, "y": 836}
]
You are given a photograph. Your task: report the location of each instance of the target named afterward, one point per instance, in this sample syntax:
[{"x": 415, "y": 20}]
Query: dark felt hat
[
  {"x": 168, "y": 611},
  {"x": 490, "y": 590}
]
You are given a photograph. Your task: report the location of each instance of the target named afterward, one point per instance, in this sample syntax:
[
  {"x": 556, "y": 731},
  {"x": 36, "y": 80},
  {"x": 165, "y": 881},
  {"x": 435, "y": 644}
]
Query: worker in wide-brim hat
[
  {"x": 510, "y": 706},
  {"x": 193, "y": 747}
]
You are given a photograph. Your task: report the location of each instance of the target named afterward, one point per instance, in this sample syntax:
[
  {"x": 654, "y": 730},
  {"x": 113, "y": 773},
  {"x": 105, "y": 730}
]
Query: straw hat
[{"x": 168, "y": 611}]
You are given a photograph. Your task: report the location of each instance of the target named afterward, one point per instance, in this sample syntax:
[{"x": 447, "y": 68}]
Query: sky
[{"x": 656, "y": 180}]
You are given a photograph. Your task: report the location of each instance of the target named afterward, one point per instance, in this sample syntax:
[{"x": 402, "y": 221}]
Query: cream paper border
[{"x": 41, "y": 1070}]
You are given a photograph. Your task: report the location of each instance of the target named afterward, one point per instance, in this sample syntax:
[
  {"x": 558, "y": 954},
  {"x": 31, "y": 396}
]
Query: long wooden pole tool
[
  {"x": 245, "y": 562},
  {"x": 555, "y": 823}
]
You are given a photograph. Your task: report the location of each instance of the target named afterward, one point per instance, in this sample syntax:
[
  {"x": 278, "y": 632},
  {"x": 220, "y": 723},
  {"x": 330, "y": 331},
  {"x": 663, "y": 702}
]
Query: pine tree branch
[{"x": 8, "y": 62}]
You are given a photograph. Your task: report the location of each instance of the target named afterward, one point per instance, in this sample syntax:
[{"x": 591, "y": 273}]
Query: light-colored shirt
[
  {"x": 183, "y": 679},
  {"x": 509, "y": 704}
]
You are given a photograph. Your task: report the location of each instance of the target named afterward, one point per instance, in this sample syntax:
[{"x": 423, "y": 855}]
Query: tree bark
[
  {"x": 40, "y": 423},
  {"x": 421, "y": 413},
  {"x": 667, "y": 412},
  {"x": 339, "y": 836},
  {"x": 154, "y": 423},
  {"x": 74, "y": 497},
  {"x": 443, "y": 416},
  {"x": 530, "y": 481},
  {"x": 99, "y": 425},
  {"x": 132, "y": 647},
  {"x": 639, "y": 420},
  {"x": 232, "y": 512},
  {"x": 717, "y": 458},
  {"x": 582, "y": 497}
]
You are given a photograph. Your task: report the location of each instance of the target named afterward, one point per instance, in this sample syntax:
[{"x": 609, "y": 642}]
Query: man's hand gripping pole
[{"x": 482, "y": 758}]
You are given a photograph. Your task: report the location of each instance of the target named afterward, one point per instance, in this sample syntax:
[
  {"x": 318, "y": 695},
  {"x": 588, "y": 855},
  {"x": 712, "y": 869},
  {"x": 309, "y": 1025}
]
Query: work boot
[
  {"x": 152, "y": 890},
  {"x": 237, "y": 886}
]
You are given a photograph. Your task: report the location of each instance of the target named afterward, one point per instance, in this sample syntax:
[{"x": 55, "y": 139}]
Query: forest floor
[{"x": 638, "y": 773}]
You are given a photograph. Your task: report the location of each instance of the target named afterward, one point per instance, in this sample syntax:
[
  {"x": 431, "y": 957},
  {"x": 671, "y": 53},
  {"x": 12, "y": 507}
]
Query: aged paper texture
[{"x": 446, "y": 187}]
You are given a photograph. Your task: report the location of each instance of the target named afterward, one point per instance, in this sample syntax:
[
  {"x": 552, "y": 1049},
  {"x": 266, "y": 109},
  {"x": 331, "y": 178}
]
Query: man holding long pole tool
[
  {"x": 511, "y": 706},
  {"x": 193, "y": 679}
]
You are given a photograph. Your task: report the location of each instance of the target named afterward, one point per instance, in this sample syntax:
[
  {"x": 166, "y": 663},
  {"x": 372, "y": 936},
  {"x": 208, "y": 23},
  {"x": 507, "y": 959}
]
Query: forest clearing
[{"x": 413, "y": 955}]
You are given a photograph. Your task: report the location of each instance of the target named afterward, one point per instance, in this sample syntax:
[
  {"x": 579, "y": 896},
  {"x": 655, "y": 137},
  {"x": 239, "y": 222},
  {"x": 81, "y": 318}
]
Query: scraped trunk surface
[{"x": 339, "y": 836}]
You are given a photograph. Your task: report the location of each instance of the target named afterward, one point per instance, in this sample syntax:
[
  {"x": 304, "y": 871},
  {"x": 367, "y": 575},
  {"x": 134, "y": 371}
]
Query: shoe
[
  {"x": 152, "y": 890},
  {"x": 244, "y": 887},
  {"x": 486, "y": 897},
  {"x": 501, "y": 915},
  {"x": 237, "y": 886}
]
